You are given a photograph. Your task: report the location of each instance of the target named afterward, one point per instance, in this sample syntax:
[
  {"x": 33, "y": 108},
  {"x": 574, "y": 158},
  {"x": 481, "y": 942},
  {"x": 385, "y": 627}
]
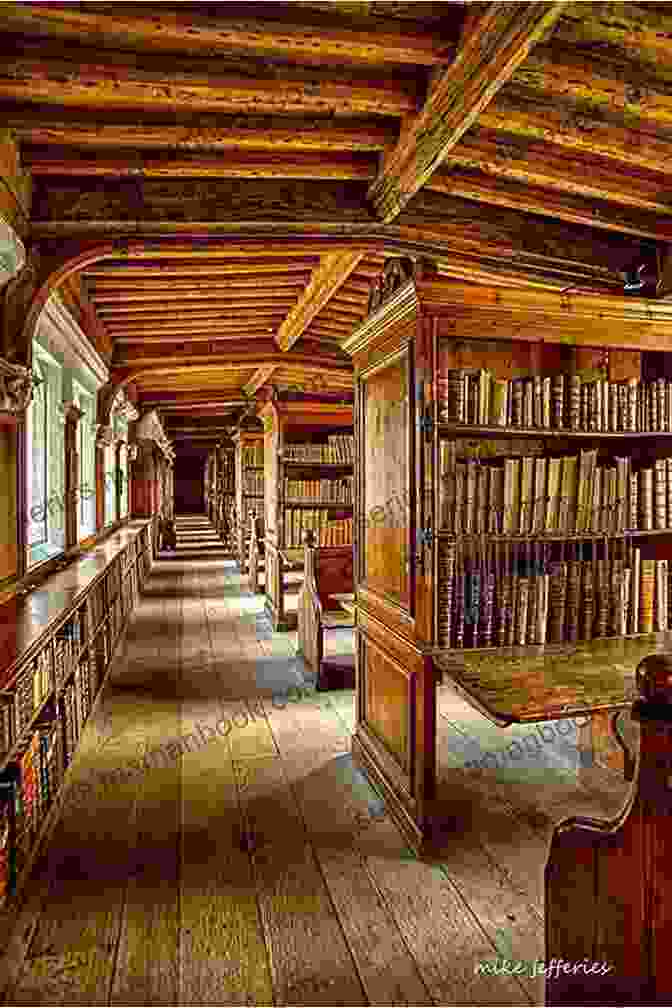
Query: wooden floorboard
[{"x": 253, "y": 863}]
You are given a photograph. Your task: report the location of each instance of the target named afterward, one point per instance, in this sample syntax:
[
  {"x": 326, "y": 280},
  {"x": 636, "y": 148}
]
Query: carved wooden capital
[
  {"x": 105, "y": 436},
  {"x": 396, "y": 273},
  {"x": 16, "y": 387}
]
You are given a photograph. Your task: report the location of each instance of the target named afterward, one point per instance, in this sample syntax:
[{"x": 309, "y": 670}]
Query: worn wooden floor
[{"x": 247, "y": 861}]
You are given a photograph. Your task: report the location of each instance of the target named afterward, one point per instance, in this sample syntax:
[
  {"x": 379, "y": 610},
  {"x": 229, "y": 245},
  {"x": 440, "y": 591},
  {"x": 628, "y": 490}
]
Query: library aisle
[{"x": 216, "y": 846}]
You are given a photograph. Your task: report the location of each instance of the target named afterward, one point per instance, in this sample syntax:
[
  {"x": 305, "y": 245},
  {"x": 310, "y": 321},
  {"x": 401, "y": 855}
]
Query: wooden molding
[
  {"x": 333, "y": 271},
  {"x": 499, "y": 41}
]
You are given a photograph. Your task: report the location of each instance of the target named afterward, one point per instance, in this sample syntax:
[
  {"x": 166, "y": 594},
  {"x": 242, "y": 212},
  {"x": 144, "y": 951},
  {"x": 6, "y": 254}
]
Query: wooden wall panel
[
  {"x": 387, "y": 702},
  {"x": 386, "y": 520}
]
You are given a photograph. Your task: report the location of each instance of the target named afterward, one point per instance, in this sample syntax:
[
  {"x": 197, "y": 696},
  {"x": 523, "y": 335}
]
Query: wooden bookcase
[
  {"x": 225, "y": 493},
  {"x": 292, "y": 430},
  {"x": 56, "y": 649},
  {"x": 249, "y": 485},
  {"x": 442, "y": 574}
]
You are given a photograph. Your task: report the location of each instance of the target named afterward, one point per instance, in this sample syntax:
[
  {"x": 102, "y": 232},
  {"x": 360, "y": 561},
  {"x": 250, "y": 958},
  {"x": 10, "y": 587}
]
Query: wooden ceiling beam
[
  {"x": 589, "y": 132},
  {"x": 499, "y": 40},
  {"x": 140, "y": 273},
  {"x": 224, "y": 295},
  {"x": 219, "y": 37},
  {"x": 225, "y": 134},
  {"x": 556, "y": 74},
  {"x": 259, "y": 378},
  {"x": 333, "y": 271},
  {"x": 244, "y": 164},
  {"x": 37, "y": 74},
  {"x": 211, "y": 337},
  {"x": 204, "y": 313},
  {"x": 494, "y": 191},
  {"x": 541, "y": 164},
  {"x": 221, "y": 286}
]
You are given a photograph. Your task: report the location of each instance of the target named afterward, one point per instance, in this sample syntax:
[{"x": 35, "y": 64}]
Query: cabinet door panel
[{"x": 386, "y": 467}]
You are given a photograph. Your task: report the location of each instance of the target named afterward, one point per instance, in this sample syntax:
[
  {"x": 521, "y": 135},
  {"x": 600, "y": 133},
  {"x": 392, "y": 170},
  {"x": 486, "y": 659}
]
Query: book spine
[
  {"x": 587, "y": 613},
  {"x": 613, "y": 407},
  {"x": 573, "y": 599},
  {"x": 558, "y": 400},
  {"x": 538, "y": 401},
  {"x": 646, "y": 596},
  {"x": 660, "y": 493},
  {"x": 517, "y": 394},
  {"x": 632, "y": 405},
  {"x": 575, "y": 403},
  {"x": 646, "y": 499},
  {"x": 446, "y": 570},
  {"x": 546, "y": 403},
  {"x": 636, "y": 585},
  {"x": 634, "y": 502},
  {"x": 556, "y": 603},
  {"x": 528, "y": 403}
]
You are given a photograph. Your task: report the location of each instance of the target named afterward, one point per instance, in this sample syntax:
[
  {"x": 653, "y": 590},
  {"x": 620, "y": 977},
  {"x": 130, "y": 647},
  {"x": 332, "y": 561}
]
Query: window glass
[{"x": 46, "y": 472}]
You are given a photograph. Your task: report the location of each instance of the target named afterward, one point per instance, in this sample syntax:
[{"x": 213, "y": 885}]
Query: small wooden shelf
[{"x": 316, "y": 504}]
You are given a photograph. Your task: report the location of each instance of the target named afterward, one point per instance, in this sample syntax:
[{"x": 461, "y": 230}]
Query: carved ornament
[
  {"x": 16, "y": 387},
  {"x": 396, "y": 273}
]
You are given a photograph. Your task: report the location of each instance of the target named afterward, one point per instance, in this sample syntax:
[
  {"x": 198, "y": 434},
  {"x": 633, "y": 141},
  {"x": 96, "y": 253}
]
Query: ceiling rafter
[
  {"x": 327, "y": 278},
  {"x": 499, "y": 40},
  {"x": 259, "y": 378}
]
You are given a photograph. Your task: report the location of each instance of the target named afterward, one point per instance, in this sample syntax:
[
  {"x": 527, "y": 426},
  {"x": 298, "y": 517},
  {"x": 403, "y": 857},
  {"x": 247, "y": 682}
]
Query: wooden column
[
  {"x": 609, "y": 885},
  {"x": 72, "y": 474}
]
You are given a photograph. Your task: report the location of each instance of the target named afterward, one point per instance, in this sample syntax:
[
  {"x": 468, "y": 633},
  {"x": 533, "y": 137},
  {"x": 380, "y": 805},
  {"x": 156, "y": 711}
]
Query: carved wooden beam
[
  {"x": 561, "y": 75},
  {"x": 259, "y": 378},
  {"x": 543, "y": 164},
  {"x": 500, "y": 40},
  {"x": 333, "y": 271},
  {"x": 600, "y": 131},
  {"x": 221, "y": 36},
  {"x": 224, "y": 133},
  {"x": 577, "y": 209},
  {"x": 39, "y": 73},
  {"x": 243, "y": 164}
]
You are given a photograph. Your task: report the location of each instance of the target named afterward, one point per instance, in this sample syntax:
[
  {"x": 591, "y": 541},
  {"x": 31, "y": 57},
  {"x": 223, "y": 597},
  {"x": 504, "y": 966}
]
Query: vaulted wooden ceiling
[{"x": 256, "y": 163}]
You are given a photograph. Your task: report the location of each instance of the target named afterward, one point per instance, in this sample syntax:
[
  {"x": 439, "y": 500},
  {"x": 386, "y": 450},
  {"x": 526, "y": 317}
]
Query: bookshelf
[
  {"x": 308, "y": 484},
  {"x": 225, "y": 492},
  {"x": 54, "y": 661},
  {"x": 249, "y": 486},
  {"x": 514, "y": 501}
]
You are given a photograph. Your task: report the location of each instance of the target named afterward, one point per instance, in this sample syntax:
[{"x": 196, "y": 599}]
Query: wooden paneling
[
  {"x": 386, "y": 423},
  {"x": 387, "y": 692}
]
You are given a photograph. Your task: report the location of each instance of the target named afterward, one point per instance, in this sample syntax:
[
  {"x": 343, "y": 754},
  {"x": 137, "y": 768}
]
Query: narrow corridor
[{"x": 216, "y": 845}]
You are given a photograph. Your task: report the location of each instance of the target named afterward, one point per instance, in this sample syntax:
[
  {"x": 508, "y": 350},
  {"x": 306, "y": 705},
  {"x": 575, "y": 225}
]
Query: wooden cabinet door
[{"x": 385, "y": 472}]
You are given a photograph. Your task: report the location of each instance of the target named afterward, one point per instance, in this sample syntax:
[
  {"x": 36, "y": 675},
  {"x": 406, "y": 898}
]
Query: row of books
[
  {"x": 326, "y": 491},
  {"x": 338, "y": 448},
  {"x": 253, "y": 454},
  {"x": 483, "y": 605},
  {"x": 253, "y": 483},
  {"x": 299, "y": 520},
  {"x": 531, "y": 495},
  {"x": 336, "y": 533},
  {"x": 559, "y": 401}
]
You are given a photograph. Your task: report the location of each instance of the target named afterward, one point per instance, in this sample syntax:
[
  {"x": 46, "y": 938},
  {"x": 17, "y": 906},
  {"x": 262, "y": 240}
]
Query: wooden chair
[
  {"x": 609, "y": 884},
  {"x": 256, "y": 553},
  {"x": 328, "y": 571}
]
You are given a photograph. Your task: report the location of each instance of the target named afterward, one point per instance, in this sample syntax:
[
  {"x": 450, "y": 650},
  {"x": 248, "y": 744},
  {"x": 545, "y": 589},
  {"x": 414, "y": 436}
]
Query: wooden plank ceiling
[{"x": 263, "y": 160}]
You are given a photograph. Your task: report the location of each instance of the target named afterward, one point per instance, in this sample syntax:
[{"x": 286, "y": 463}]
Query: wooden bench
[
  {"x": 609, "y": 884},
  {"x": 328, "y": 570},
  {"x": 257, "y": 552}
]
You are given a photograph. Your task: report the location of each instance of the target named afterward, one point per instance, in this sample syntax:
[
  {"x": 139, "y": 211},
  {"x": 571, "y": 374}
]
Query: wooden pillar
[{"x": 72, "y": 474}]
